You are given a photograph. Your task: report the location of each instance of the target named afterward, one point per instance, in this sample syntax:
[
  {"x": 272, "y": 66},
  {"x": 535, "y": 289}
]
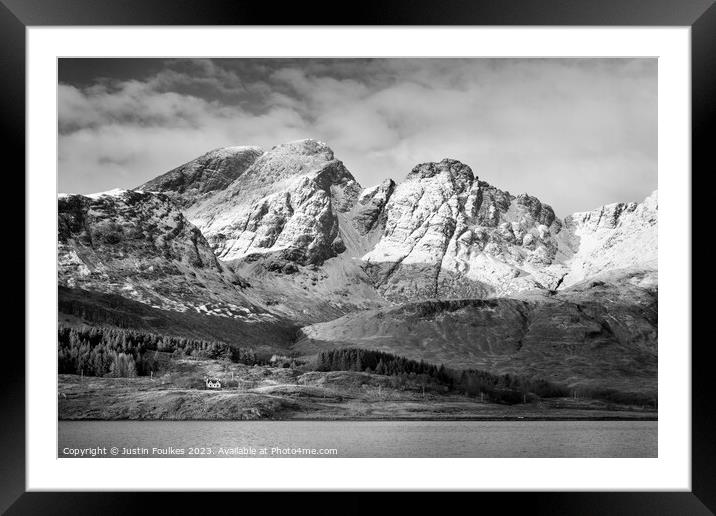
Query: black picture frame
[{"x": 699, "y": 15}]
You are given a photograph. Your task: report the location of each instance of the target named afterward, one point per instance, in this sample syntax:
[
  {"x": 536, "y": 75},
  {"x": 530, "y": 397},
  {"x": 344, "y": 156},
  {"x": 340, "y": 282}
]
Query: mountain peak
[
  {"x": 451, "y": 167},
  {"x": 307, "y": 146},
  {"x": 232, "y": 149},
  {"x": 212, "y": 171},
  {"x": 299, "y": 160},
  {"x": 283, "y": 208},
  {"x": 228, "y": 152}
]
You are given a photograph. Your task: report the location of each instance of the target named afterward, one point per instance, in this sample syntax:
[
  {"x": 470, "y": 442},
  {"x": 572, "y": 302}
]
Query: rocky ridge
[
  {"x": 140, "y": 246},
  {"x": 441, "y": 233},
  {"x": 449, "y": 234},
  {"x": 614, "y": 236},
  {"x": 211, "y": 172}
]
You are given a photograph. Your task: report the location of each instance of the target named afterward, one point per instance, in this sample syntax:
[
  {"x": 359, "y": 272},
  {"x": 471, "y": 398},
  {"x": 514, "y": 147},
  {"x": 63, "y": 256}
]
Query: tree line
[
  {"x": 505, "y": 388},
  {"x": 378, "y": 362},
  {"x": 119, "y": 352}
]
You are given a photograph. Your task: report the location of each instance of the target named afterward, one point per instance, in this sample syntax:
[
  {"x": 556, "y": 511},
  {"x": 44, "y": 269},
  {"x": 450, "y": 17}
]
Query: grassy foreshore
[{"x": 268, "y": 393}]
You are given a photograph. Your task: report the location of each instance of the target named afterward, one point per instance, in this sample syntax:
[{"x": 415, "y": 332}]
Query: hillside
[
  {"x": 137, "y": 251},
  {"x": 601, "y": 333},
  {"x": 77, "y": 307}
]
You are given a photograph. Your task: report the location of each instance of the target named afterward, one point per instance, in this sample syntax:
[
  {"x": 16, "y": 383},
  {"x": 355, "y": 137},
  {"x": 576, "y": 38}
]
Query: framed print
[{"x": 409, "y": 251}]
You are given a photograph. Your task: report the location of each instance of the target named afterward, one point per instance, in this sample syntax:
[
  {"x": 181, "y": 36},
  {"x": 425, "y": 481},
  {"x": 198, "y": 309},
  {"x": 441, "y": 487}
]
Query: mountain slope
[
  {"x": 139, "y": 246},
  {"x": 284, "y": 205},
  {"x": 79, "y": 307},
  {"x": 200, "y": 177},
  {"x": 601, "y": 333},
  {"x": 611, "y": 237},
  {"x": 287, "y": 224}
]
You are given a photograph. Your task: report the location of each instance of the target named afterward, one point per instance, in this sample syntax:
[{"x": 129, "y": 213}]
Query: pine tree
[
  {"x": 380, "y": 368},
  {"x": 131, "y": 368}
]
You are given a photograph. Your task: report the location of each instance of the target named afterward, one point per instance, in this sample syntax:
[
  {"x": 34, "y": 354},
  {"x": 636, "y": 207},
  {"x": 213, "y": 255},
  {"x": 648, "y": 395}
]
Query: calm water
[{"x": 360, "y": 438}]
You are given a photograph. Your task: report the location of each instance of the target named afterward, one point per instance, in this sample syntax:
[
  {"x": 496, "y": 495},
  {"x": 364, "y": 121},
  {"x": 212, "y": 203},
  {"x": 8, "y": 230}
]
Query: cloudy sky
[{"x": 577, "y": 133}]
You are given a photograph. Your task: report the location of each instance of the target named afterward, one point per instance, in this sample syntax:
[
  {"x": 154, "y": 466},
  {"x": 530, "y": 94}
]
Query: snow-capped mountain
[
  {"x": 441, "y": 233},
  {"x": 313, "y": 244},
  {"x": 448, "y": 234},
  {"x": 285, "y": 205}
]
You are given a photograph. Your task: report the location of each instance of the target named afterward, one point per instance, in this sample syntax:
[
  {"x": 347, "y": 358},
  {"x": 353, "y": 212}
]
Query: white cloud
[{"x": 576, "y": 133}]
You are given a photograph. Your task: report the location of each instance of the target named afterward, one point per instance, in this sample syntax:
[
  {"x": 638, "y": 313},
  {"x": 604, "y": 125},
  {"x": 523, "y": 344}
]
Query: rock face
[
  {"x": 370, "y": 210},
  {"x": 293, "y": 223},
  {"x": 284, "y": 207},
  {"x": 449, "y": 235},
  {"x": 211, "y": 172},
  {"x": 612, "y": 237},
  {"x": 140, "y": 246}
]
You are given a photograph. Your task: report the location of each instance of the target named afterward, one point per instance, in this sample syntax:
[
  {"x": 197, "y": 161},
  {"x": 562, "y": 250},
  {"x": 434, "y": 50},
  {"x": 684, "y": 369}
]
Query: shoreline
[{"x": 403, "y": 419}]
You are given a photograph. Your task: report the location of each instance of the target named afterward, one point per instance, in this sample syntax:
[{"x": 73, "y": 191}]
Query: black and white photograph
[{"x": 357, "y": 257}]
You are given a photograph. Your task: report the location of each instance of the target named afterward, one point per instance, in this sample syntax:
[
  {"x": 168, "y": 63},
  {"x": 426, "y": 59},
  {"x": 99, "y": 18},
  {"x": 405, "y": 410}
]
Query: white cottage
[{"x": 213, "y": 383}]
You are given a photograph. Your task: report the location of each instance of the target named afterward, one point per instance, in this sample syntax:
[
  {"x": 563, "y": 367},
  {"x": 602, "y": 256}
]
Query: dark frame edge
[
  {"x": 12, "y": 381},
  {"x": 368, "y": 12},
  {"x": 702, "y": 499},
  {"x": 703, "y": 123}
]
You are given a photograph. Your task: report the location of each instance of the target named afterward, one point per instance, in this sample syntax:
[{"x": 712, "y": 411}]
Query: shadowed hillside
[
  {"x": 598, "y": 335},
  {"x": 80, "y": 307}
]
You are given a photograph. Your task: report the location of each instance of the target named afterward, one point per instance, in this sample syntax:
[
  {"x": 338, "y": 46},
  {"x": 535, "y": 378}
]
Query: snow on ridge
[
  {"x": 308, "y": 140},
  {"x": 114, "y": 192},
  {"x": 235, "y": 149},
  {"x": 368, "y": 192},
  {"x": 649, "y": 201}
]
